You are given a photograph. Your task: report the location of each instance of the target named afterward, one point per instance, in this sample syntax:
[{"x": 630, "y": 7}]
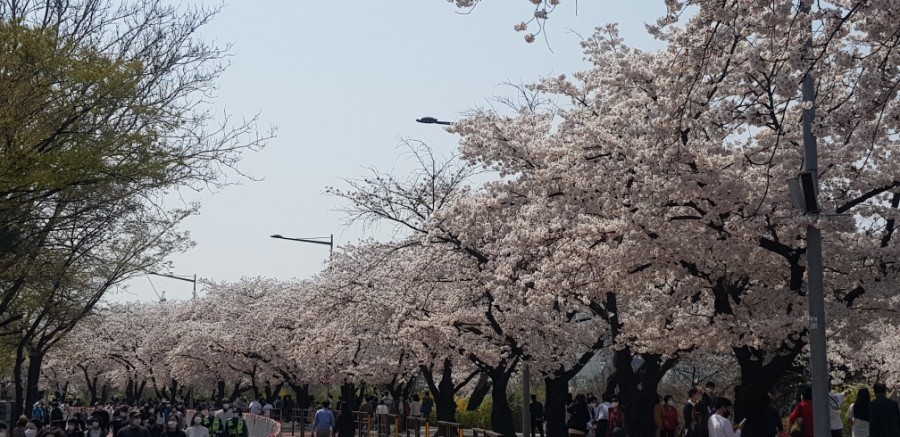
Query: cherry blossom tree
[{"x": 689, "y": 148}]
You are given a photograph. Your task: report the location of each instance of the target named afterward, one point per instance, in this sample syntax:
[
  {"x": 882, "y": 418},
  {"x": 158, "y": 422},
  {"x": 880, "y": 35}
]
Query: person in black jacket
[
  {"x": 536, "y": 410},
  {"x": 345, "y": 423},
  {"x": 884, "y": 414},
  {"x": 579, "y": 417}
]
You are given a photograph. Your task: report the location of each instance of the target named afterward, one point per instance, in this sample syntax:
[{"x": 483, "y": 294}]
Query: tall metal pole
[
  {"x": 526, "y": 399},
  {"x": 194, "y": 297},
  {"x": 815, "y": 277}
]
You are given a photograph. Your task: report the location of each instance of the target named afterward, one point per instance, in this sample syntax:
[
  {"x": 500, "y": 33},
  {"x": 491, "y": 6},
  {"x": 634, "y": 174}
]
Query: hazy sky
[{"x": 343, "y": 80}]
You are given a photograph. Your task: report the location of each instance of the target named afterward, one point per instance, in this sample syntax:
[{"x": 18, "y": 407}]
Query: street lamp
[
  {"x": 313, "y": 240},
  {"x": 432, "y": 120},
  {"x": 180, "y": 278}
]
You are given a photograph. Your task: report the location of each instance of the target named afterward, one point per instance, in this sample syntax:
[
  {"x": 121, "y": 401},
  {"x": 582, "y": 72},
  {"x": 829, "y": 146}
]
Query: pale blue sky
[{"x": 343, "y": 80}]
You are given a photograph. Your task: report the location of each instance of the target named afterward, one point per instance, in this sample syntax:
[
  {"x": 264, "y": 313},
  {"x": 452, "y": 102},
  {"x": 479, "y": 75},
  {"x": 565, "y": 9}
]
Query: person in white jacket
[{"x": 719, "y": 424}]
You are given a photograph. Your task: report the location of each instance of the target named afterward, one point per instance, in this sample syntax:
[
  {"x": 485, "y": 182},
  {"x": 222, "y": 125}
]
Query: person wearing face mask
[
  {"x": 197, "y": 429},
  {"x": 666, "y": 417},
  {"x": 616, "y": 419},
  {"x": 102, "y": 415},
  {"x": 719, "y": 424},
  {"x": 236, "y": 427},
  {"x": 601, "y": 426},
  {"x": 31, "y": 429},
  {"x": 134, "y": 428},
  {"x": 172, "y": 429},
  {"x": 212, "y": 424},
  {"x": 225, "y": 413}
]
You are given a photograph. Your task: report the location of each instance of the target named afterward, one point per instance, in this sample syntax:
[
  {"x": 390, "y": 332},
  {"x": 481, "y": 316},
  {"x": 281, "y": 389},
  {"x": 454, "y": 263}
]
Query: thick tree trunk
[
  {"x": 272, "y": 393},
  {"x": 92, "y": 388},
  {"x": 129, "y": 392},
  {"x": 557, "y": 388},
  {"x": 501, "y": 413},
  {"x": 349, "y": 394},
  {"x": 757, "y": 380},
  {"x": 444, "y": 391},
  {"x": 18, "y": 407},
  {"x": 139, "y": 392},
  {"x": 35, "y": 361},
  {"x": 637, "y": 391},
  {"x": 481, "y": 390},
  {"x": 220, "y": 390},
  {"x": 444, "y": 402},
  {"x": 302, "y": 393}
]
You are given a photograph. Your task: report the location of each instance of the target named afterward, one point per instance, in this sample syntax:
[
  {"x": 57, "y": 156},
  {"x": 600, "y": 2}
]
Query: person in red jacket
[{"x": 804, "y": 413}]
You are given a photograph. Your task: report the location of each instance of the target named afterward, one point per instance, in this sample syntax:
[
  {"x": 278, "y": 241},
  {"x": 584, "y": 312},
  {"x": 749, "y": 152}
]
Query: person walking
[
  {"x": 802, "y": 415},
  {"x": 666, "y": 416},
  {"x": 213, "y": 424},
  {"x": 134, "y": 428},
  {"x": 579, "y": 415},
  {"x": 858, "y": 413},
  {"x": 323, "y": 422},
  {"x": 884, "y": 414},
  {"x": 719, "y": 423},
  {"x": 415, "y": 407},
  {"x": 172, "y": 429},
  {"x": 835, "y": 400},
  {"x": 236, "y": 427},
  {"x": 345, "y": 423},
  {"x": 616, "y": 419},
  {"x": 427, "y": 406},
  {"x": 255, "y": 407},
  {"x": 197, "y": 429},
  {"x": 536, "y": 409}
]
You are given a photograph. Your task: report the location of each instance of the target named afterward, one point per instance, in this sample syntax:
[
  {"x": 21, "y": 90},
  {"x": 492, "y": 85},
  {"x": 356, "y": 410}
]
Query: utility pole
[
  {"x": 814, "y": 270},
  {"x": 526, "y": 400}
]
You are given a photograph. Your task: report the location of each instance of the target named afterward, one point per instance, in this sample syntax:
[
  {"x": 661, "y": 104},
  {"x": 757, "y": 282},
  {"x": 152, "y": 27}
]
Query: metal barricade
[
  {"x": 414, "y": 426},
  {"x": 449, "y": 429}
]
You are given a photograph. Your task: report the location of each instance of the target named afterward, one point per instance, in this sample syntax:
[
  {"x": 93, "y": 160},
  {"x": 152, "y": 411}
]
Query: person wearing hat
[{"x": 134, "y": 428}]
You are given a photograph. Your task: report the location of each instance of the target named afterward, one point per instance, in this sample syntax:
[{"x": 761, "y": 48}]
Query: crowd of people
[
  {"x": 149, "y": 419},
  {"x": 706, "y": 414}
]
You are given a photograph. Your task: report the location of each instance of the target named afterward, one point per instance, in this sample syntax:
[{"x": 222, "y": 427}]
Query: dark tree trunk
[
  {"x": 92, "y": 387},
  {"x": 272, "y": 393},
  {"x": 757, "y": 380},
  {"x": 444, "y": 391},
  {"x": 35, "y": 361},
  {"x": 481, "y": 390},
  {"x": 555, "y": 406},
  {"x": 105, "y": 393},
  {"x": 139, "y": 392},
  {"x": 18, "y": 407},
  {"x": 647, "y": 396},
  {"x": 220, "y": 390},
  {"x": 637, "y": 391},
  {"x": 349, "y": 394},
  {"x": 302, "y": 393},
  {"x": 501, "y": 413},
  {"x": 129, "y": 392}
]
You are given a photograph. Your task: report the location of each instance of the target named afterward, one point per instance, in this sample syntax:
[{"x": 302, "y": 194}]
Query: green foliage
[{"x": 480, "y": 418}]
